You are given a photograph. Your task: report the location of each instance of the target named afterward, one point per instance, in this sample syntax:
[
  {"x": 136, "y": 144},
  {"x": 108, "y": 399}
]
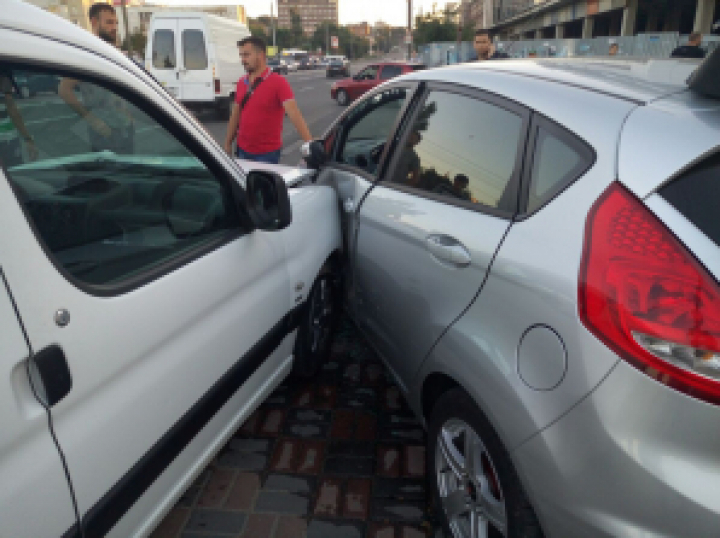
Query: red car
[{"x": 348, "y": 89}]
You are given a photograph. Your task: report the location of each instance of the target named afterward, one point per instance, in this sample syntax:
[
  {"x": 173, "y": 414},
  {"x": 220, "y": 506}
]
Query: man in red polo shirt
[{"x": 261, "y": 101}]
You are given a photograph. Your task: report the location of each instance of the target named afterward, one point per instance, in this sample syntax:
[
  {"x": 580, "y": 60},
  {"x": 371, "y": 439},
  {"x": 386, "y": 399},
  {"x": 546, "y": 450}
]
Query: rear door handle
[
  {"x": 448, "y": 249},
  {"x": 50, "y": 375}
]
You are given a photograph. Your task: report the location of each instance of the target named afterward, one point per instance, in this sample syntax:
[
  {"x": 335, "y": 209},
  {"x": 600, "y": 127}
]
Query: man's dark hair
[
  {"x": 483, "y": 31},
  {"x": 256, "y": 42},
  {"x": 99, "y": 7}
]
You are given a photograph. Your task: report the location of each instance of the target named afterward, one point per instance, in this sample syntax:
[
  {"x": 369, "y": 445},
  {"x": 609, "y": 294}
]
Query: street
[{"x": 312, "y": 92}]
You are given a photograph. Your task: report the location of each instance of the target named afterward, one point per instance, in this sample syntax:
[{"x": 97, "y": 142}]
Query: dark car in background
[
  {"x": 337, "y": 65},
  {"x": 305, "y": 64},
  {"x": 278, "y": 66}
]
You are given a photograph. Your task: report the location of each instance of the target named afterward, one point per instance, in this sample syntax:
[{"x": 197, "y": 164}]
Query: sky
[{"x": 393, "y": 12}]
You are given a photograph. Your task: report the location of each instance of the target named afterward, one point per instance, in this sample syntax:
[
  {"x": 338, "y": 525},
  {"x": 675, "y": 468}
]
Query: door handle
[
  {"x": 50, "y": 375},
  {"x": 448, "y": 249}
]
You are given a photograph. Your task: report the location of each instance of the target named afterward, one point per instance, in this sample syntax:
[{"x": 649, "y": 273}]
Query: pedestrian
[
  {"x": 110, "y": 124},
  {"x": 484, "y": 47},
  {"x": 692, "y": 49},
  {"x": 614, "y": 49},
  {"x": 262, "y": 99},
  {"x": 12, "y": 126}
]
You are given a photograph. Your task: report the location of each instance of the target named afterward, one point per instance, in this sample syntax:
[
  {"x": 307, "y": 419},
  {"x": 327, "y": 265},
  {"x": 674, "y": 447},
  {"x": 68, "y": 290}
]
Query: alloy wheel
[{"x": 470, "y": 491}]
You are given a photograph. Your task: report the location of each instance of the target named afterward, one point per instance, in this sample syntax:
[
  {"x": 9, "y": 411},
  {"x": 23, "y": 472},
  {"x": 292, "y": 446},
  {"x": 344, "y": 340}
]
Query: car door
[
  {"x": 428, "y": 231},
  {"x": 365, "y": 80},
  {"x": 196, "y": 77},
  {"x": 135, "y": 264},
  {"x": 31, "y": 471},
  {"x": 164, "y": 54}
]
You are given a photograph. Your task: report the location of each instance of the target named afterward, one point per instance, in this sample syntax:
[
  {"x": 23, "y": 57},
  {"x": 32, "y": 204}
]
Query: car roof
[{"x": 640, "y": 80}]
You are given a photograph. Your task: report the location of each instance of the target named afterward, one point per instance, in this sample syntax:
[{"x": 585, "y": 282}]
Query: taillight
[
  {"x": 217, "y": 85},
  {"x": 647, "y": 298}
]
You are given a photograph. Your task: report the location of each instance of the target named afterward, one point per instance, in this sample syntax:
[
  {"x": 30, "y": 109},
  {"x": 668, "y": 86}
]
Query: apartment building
[{"x": 312, "y": 13}]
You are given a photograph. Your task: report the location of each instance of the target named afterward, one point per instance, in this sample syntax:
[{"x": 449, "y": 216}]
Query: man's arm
[
  {"x": 19, "y": 123},
  {"x": 293, "y": 112},
  {"x": 232, "y": 128},
  {"x": 66, "y": 90}
]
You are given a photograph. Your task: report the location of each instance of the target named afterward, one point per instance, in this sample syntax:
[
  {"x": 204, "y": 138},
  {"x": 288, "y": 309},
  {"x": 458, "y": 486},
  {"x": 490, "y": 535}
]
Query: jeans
[{"x": 272, "y": 157}]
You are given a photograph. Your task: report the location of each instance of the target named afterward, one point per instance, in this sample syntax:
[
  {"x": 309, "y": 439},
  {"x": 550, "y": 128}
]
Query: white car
[{"x": 152, "y": 293}]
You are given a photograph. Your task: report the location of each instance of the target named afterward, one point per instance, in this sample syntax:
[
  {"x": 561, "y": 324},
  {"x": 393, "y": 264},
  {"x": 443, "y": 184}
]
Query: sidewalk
[{"x": 341, "y": 457}]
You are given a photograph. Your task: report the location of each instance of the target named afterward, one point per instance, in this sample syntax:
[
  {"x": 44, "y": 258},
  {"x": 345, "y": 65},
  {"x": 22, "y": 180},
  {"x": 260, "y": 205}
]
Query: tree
[
  {"x": 296, "y": 28},
  {"x": 137, "y": 41},
  {"x": 350, "y": 45},
  {"x": 431, "y": 29}
]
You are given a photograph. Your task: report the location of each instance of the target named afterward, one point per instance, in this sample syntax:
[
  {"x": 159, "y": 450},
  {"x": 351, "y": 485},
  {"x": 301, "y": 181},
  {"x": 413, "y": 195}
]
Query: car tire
[
  {"x": 317, "y": 324},
  {"x": 490, "y": 489},
  {"x": 342, "y": 98}
]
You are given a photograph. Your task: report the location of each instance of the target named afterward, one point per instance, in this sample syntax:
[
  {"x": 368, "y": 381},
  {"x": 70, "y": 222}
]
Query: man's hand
[
  {"x": 98, "y": 125},
  {"x": 228, "y": 147}
]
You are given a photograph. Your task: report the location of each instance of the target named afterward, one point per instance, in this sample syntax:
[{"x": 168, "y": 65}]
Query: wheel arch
[{"x": 433, "y": 387}]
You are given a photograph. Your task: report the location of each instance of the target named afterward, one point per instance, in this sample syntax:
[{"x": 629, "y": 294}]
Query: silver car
[{"x": 532, "y": 248}]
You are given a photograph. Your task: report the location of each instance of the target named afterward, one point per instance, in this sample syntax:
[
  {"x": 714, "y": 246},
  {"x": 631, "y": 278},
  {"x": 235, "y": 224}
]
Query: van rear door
[
  {"x": 195, "y": 72},
  {"x": 163, "y": 61}
]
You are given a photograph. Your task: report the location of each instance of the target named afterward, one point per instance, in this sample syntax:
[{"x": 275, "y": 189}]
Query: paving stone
[
  {"x": 356, "y": 501},
  {"x": 412, "y": 532},
  {"x": 291, "y": 483},
  {"x": 252, "y": 423},
  {"x": 381, "y": 530},
  {"x": 173, "y": 523},
  {"x": 329, "y": 497},
  {"x": 243, "y": 491},
  {"x": 343, "y": 425},
  {"x": 393, "y": 399},
  {"x": 190, "y": 496},
  {"x": 325, "y": 397},
  {"x": 282, "y": 502},
  {"x": 259, "y": 526},
  {"x": 388, "y": 461},
  {"x": 285, "y": 456},
  {"x": 311, "y": 457},
  {"x": 312, "y": 416},
  {"x": 307, "y": 431},
  {"x": 282, "y": 396},
  {"x": 349, "y": 466},
  {"x": 358, "y": 398},
  {"x": 319, "y": 528},
  {"x": 217, "y": 488},
  {"x": 399, "y": 488},
  {"x": 397, "y": 510},
  {"x": 365, "y": 427},
  {"x": 291, "y": 527},
  {"x": 272, "y": 425},
  {"x": 304, "y": 398},
  {"x": 242, "y": 460},
  {"x": 353, "y": 449},
  {"x": 215, "y": 521},
  {"x": 414, "y": 462},
  {"x": 351, "y": 373},
  {"x": 401, "y": 418},
  {"x": 402, "y": 435}
]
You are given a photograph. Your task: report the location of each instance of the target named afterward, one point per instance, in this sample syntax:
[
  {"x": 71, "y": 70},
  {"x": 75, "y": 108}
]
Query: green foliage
[
  {"x": 350, "y": 45},
  {"x": 431, "y": 29},
  {"x": 137, "y": 41}
]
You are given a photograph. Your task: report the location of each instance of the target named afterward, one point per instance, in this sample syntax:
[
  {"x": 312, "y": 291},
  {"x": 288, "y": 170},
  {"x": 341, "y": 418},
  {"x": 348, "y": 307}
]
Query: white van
[{"x": 195, "y": 56}]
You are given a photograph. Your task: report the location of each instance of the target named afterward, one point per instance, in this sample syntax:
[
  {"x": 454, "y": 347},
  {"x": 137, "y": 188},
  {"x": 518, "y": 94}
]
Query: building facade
[
  {"x": 312, "y": 13},
  {"x": 75, "y": 11}
]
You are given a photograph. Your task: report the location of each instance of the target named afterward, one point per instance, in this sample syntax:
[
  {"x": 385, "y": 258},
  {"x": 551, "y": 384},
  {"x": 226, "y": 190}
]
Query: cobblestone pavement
[{"x": 341, "y": 457}]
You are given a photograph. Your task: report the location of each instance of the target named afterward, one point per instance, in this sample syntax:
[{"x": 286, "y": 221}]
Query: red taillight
[
  {"x": 217, "y": 85},
  {"x": 646, "y": 297}
]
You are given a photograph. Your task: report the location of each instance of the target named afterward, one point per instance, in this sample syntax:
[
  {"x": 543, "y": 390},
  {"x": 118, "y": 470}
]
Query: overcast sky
[{"x": 391, "y": 11}]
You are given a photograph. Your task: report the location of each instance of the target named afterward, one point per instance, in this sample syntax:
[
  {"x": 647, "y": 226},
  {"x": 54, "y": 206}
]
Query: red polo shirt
[{"x": 261, "y": 121}]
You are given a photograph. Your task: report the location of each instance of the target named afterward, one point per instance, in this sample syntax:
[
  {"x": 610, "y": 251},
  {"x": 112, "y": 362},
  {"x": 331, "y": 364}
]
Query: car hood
[{"x": 293, "y": 176}]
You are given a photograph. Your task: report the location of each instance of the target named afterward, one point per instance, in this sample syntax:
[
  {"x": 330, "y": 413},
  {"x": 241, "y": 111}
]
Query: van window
[
  {"x": 112, "y": 194},
  {"x": 163, "y": 52},
  {"x": 194, "y": 55}
]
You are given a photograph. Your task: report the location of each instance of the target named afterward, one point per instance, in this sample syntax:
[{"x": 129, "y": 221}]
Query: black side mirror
[
  {"x": 313, "y": 153},
  {"x": 268, "y": 202}
]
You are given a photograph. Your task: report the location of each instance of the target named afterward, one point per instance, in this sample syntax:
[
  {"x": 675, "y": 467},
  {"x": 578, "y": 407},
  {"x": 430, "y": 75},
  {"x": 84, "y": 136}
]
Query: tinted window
[
  {"x": 163, "y": 52},
  {"x": 557, "y": 161},
  {"x": 369, "y": 73},
  {"x": 110, "y": 192},
  {"x": 194, "y": 55},
  {"x": 462, "y": 148},
  {"x": 696, "y": 194},
  {"x": 390, "y": 71},
  {"x": 368, "y": 127}
]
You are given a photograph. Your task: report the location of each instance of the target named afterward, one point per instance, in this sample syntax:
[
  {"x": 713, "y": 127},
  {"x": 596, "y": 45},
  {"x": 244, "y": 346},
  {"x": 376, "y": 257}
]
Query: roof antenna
[{"x": 705, "y": 80}]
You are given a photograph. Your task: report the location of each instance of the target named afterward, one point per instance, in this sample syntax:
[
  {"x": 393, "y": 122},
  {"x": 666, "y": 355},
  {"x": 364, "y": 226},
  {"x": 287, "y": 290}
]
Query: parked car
[
  {"x": 337, "y": 65},
  {"x": 305, "y": 64},
  {"x": 153, "y": 292},
  {"x": 349, "y": 89},
  {"x": 278, "y": 65},
  {"x": 194, "y": 56},
  {"x": 534, "y": 255}
]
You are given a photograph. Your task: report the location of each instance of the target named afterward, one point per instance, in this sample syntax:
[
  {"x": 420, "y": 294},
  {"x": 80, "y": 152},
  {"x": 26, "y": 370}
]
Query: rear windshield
[
  {"x": 163, "y": 52},
  {"x": 696, "y": 194},
  {"x": 194, "y": 54}
]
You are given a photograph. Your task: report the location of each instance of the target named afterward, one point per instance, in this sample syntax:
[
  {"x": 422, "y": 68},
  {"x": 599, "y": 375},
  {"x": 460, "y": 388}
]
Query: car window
[
  {"x": 194, "y": 54},
  {"x": 369, "y": 73},
  {"x": 555, "y": 164},
  {"x": 163, "y": 51},
  {"x": 367, "y": 128},
  {"x": 390, "y": 71},
  {"x": 111, "y": 193},
  {"x": 462, "y": 148}
]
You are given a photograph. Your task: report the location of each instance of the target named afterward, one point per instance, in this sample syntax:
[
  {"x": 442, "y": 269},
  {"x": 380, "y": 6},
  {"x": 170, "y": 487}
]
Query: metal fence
[{"x": 659, "y": 45}]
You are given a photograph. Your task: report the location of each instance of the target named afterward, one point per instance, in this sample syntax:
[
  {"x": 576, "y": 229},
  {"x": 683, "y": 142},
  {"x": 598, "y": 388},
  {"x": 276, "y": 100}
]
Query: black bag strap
[{"x": 249, "y": 92}]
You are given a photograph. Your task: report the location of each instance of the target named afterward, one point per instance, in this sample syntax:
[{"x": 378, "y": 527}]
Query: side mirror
[
  {"x": 313, "y": 153},
  {"x": 267, "y": 200}
]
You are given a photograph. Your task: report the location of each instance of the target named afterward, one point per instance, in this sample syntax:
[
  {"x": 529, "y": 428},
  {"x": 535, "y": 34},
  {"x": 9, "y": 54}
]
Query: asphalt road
[{"x": 312, "y": 92}]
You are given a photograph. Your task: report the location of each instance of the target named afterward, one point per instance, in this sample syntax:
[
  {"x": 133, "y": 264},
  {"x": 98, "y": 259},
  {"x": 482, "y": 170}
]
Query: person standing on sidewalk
[
  {"x": 261, "y": 101},
  {"x": 484, "y": 47}
]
